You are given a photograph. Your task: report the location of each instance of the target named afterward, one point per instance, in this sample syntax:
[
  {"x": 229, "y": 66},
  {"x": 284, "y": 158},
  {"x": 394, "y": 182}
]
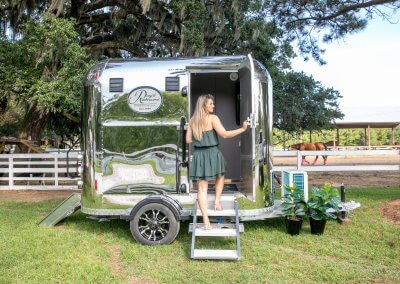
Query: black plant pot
[
  {"x": 317, "y": 226},
  {"x": 293, "y": 226}
]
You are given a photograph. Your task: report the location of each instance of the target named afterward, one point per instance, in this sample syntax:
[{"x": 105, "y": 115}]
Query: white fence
[
  {"x": 39, "y": 171},
  {"x": 392, "y": 164},
  {"x": 54, "y": 171}
]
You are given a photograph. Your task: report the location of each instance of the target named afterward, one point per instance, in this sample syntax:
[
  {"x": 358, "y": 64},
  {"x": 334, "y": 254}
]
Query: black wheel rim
[{"x": 153, "y": 225}]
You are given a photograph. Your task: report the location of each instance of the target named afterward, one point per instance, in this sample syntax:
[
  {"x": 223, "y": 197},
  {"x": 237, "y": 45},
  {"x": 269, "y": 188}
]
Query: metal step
[
  {"x": 218, "y": 230},
  {"x": 216, "y": 233},
  {"x": 62, "y": 211},
  {"x": 222, "y": 213},
  {"x": 222, "y": 254}
]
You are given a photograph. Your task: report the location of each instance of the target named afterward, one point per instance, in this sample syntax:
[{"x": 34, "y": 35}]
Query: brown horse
[{"x": 316, "y": 146}]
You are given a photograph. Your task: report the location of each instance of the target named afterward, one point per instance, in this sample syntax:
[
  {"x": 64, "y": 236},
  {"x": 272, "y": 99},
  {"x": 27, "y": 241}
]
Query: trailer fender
[{"x": 165, "y": 200}]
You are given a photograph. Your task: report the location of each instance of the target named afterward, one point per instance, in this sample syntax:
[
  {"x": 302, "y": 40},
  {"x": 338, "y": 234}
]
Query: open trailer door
[
  {"x": 248, "y": 108},
  {"x": 222, "y": 82}
]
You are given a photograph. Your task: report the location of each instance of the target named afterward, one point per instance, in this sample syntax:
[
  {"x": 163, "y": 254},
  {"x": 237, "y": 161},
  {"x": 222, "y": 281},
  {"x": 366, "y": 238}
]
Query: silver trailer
[{"x": 135, "y": 158}]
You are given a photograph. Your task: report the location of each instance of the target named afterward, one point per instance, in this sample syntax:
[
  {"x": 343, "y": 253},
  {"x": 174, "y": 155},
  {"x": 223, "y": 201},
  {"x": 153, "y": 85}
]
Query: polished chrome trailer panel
[{"x": 133, "y": 113}]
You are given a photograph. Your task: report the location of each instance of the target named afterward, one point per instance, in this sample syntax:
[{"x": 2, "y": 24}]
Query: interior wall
[{"x": 223, "y": 89}]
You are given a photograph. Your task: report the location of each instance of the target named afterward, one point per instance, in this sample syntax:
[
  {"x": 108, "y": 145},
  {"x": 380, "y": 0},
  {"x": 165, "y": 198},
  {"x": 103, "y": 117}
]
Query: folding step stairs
[{"x": 222, "y": 230}]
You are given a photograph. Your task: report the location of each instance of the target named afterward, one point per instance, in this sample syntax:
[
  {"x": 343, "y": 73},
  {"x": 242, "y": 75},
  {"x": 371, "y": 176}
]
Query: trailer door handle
[{"x": 251, "y": 120}]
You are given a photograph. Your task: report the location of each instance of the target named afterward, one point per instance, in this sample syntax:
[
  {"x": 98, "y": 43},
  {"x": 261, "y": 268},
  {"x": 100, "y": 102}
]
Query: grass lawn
[{"x": 84, "y": 251}]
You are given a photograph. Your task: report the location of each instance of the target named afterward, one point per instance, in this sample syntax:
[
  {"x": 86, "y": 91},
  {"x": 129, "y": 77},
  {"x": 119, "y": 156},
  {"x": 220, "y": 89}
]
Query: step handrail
[
  {"x": 194, "y": 226},
  {"x": 237, "y": 228}
]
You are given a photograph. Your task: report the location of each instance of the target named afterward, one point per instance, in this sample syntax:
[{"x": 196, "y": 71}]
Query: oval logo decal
[{"x": 144, "y": 99}]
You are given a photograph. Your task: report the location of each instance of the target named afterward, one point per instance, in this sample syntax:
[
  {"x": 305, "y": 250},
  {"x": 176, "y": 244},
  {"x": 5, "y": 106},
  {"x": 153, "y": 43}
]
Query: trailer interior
[{"x": 232, "y": 94}]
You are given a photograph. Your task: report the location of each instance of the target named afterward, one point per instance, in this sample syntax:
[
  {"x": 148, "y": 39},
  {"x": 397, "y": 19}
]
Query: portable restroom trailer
[{"x": 135, "y": 158}]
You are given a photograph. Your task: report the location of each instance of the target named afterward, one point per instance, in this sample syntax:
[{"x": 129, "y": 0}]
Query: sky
[{"x": 364, "y": 67}]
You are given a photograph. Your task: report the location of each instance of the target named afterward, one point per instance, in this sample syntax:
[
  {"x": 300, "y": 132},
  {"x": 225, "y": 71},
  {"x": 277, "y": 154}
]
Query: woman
[{"x": 208, "y": 162}]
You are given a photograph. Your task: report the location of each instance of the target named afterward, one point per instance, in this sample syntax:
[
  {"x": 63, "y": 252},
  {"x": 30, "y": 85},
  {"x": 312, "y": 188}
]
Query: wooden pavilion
[{"x": 367, "y": 118}]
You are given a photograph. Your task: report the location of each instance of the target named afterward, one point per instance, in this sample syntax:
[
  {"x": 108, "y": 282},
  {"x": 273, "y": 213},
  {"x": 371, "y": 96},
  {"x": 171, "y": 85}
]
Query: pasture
[{"x": 84, "y": 251}]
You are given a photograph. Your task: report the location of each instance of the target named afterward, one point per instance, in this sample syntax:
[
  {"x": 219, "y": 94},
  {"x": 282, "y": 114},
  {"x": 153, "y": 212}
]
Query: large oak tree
[
  {"x": 269, "y": 29},
  {"x": 42, "y": 73}
]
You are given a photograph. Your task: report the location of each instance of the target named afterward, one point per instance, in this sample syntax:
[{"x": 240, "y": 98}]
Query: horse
[{"x": 316, "y": 146}]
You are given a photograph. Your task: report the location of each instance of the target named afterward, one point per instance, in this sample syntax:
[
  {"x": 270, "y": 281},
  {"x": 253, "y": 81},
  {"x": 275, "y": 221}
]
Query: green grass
[{"x": 84, "y": 251}]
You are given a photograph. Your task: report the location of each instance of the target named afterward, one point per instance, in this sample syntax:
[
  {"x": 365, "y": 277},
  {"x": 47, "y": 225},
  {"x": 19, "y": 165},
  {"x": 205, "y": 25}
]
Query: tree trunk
[{"x": 33, "y": 123}]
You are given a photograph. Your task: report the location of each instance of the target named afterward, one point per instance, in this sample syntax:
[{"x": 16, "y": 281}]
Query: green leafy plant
[
  {"x": 324, "y": 203},
  {"x": 293, "y": 203}
]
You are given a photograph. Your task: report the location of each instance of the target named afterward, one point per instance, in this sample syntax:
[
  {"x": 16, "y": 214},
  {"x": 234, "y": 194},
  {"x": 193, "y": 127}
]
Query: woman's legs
[
  {"x": 219, "y": 186},
  {"x": 203, "y": 201}
]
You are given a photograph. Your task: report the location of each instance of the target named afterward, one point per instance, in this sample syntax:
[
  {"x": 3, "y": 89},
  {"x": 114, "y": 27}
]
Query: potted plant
[
  {"x": 323, "y": 205},
  {"x": 293, "y": 208}
]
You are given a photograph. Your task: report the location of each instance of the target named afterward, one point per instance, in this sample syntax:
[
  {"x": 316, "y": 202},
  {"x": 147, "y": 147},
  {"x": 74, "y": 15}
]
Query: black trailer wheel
[{"x": 154, "y": 224}]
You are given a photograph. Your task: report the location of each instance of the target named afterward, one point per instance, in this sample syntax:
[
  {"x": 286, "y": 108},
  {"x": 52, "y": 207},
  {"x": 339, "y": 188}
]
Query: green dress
[{"x": 208, "y": 162}]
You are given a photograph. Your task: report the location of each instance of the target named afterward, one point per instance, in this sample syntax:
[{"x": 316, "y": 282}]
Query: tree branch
[
  {"x": 115, "y": 45},
  {"x": 71, "y": 117},
  {"x": 346, "y": 9},
  {"x": 96, "y": 39},
  {"x": 99, "y": 4},
  {"x": 101, "y": 17}
]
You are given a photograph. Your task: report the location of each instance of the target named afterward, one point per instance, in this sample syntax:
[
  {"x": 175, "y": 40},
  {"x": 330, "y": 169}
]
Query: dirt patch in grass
[
  {"x": 391, "y": 210},
  {"x": 62, "y": 228},
  {"x": 118, "y": 267},
  {"x": 115, "y": 251},
  {"x": 35, "y": 195},
  {"x": 356, "y": 179}
]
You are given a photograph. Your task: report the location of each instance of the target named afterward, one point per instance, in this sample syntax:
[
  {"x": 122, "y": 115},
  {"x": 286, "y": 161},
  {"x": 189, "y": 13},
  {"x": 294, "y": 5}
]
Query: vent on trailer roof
[
  {"x": 172, "y": 83},
  {"x": 116, "y": 84}
]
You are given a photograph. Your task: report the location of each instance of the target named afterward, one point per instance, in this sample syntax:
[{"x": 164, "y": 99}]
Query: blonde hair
[{"x": 197, "y": 122}]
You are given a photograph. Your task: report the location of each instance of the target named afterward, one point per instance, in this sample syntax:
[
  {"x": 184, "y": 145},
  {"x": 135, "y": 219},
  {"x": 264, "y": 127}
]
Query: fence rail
[
  {"x": 297, "y": 157},
  {"x": 345, "y": 148},
  {"x": 52, "y": 171}
]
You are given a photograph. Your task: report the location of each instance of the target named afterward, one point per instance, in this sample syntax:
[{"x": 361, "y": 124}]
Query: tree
[
  {"x": 160, "y": 28},
  {"x": 43, "y": 72},
  {"x": 201, "y": 27},
  {"x": 302, "y": 104},
  {"x": 305, "y": 21}
]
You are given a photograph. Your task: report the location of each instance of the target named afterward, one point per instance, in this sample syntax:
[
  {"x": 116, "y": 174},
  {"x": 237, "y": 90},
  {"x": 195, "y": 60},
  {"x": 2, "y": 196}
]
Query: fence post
[
  {"x": 10, "y": 172},
  {"x": 298, "y": 160},
  {"x": 56, "y": 170}
]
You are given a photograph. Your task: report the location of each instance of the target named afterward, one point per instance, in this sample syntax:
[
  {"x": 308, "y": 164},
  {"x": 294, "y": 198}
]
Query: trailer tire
[{"x": 154, "y": 224}]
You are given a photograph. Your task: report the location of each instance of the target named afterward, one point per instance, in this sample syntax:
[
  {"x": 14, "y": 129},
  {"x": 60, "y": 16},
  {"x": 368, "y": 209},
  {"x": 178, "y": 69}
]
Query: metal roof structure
[{"x": 369, "y": 117}]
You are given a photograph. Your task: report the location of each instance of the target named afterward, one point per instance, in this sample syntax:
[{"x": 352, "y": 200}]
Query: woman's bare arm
[
  {"x": 219, "y": 128},
  {"x": 188, "y": 135}
]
